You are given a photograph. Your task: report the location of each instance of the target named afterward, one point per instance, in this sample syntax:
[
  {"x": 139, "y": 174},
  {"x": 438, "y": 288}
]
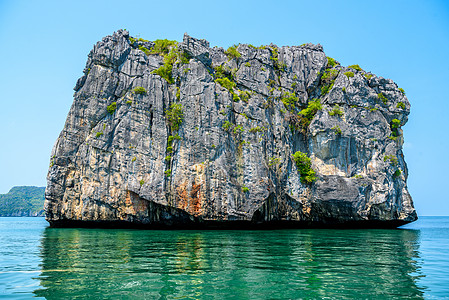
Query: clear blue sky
[{"x": 44, "y": 47}]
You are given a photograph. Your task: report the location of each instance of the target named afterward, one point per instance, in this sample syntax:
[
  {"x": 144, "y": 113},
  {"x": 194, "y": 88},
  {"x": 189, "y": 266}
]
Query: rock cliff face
[{"x": 167, "y": 134}]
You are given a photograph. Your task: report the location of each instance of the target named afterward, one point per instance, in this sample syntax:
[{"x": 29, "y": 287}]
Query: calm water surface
[{"x": 36, "y": 261}]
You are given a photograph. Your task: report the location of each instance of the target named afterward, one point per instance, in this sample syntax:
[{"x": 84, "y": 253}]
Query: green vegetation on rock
[
  {"x": 328, "y": 79},
  {"x": 395, "y": 124},
  {"x": 331, "y": 62},
  {"x": 139, "y": 90},
  {"x": 306, "y": 115},
  {"x": 337, "y": 130},
  {"x": 400, "y": 105},
  {"x": 226, "y": 83},
  {"x": 112, "y": 107},
  {"x": 175, "y": 116},
  {"x": 256, "y": 129},
  {"x": 336, "y": 111},
  {"x": 144, "y": 49},
  {"x": 165, "y": 71},
  {"x": 238, "y": 129},
  {"x": 274, "y": 161},
  {"x": 227, "y": 125},
  {"x": 382, "y": 97},
  {"x": 304, "y": 166},
  {"x": 289, "y": 100},
  {"x": 232, "y": 52},
  {"x": 349, "y": 74},
  {"x": 163, "y": 46},
  {"x": 392, "y": 159},
  {"x": 355, "y": 67}
]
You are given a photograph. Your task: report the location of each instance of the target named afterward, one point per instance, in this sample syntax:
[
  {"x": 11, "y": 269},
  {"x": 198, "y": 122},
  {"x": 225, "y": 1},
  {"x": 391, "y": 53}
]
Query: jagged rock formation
[
  {"x": 166, "y": 134},
  {"x": 23, "y": 201}
]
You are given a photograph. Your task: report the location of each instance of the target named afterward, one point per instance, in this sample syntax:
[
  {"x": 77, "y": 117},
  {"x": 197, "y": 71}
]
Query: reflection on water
[{"x": 222, "y": 264}]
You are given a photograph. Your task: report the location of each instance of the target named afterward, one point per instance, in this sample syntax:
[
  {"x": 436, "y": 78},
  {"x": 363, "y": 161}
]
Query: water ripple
[{"x": 280, "y": 264}]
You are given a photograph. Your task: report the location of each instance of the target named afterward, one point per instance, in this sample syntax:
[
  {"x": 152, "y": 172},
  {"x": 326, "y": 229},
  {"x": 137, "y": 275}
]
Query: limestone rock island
[{"x": 164, "y": 134}]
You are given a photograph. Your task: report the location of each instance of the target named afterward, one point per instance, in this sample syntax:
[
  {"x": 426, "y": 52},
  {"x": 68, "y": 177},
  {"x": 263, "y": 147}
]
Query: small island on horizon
[{"x": 23, "y": 201}]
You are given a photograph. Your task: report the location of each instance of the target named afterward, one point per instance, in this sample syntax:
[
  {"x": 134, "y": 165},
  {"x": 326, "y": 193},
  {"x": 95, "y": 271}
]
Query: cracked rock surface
[{"x": 230, "y": 161}]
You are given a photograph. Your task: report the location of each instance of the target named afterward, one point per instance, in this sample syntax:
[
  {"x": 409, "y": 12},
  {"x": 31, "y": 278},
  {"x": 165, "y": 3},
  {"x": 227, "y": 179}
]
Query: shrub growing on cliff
[
  {"x": 227, "y": 125},
  {"x": 171, "y": 138},
  {"x": 244, "y": 95},
  {"x": 349, "y": 74},
  {"x": 163, "y": 46},
  {"x": 274, "y": 161},
  {"x": 140, "y": 90},
  {"x": 400, "y": 105},
  {"x": 337, "y": 130},
  {"x": 336, "y": 111},
  {"x": 392, "y": 159},
  {"x": 221, "y": 72},
  {"x": 274, "y": 54},
  {"x": 329, "y": 75},
  {"x": 256, "y": 129},
  {"x": 245, "y": 189},
  {"x": 289, "y": 100},
  {"x": 226, "y": 83},
  {"x": 355, "y": 67},
  {"x": 178, "y": 93},
  {"x": 184, "y": 57},
  {"x": 395, "y": 124},
  {"x": 232, "y": 52},
  {"x": 145, "y": 50},
  {"x": 331, "y": 62},
  {"x": 175, "y": 116},
  {"x": 238, "y": 129},
  {"x": 382, "y": 97},
  {"x": 306, "y": 115},
  {"x": 165, "y": 71},
  {"x": 112, "y": 107},
  {"x": 328, "y": 79},
  {"x": 304, "y": 165}
]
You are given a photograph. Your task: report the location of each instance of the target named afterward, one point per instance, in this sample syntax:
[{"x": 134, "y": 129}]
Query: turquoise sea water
[{"x": 36, "y": 261}]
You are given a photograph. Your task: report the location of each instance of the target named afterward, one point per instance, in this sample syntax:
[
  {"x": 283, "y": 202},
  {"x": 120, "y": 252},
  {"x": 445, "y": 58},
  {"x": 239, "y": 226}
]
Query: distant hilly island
[{"x": 23, "y": 201}]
